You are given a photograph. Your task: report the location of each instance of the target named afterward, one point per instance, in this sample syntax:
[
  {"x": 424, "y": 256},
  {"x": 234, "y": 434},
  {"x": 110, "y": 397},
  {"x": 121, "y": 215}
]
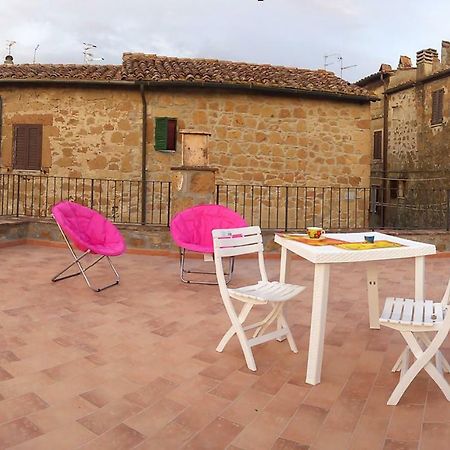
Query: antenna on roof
[
  {"x": 325, "y": 59},
  {"x": 34, "y": 56},
  {"x": 9, "y": 44},
  {"x": 89, "y": 56},
  {"x": 341, "y": 59}
]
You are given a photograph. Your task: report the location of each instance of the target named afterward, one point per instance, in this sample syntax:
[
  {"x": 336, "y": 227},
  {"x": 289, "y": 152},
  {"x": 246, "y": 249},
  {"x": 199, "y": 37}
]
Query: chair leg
[
  {"x": 289, "y": 336},
  {"x": 231, "y": 332},
  {"x": 423, "y": 361}
]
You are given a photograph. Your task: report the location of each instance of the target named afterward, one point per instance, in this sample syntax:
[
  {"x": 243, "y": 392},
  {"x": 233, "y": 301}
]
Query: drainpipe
[
  {"x": 1, "y": 123},
  {"x": 144, "y": 157},
  {"x": 385, "y": 148}
]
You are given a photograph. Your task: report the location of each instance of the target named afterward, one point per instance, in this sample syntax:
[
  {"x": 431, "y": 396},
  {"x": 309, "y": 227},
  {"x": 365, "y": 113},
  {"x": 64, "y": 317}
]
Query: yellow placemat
[
  {"x": 367, "y": 245},
  {"x": 306, "y": 240}
]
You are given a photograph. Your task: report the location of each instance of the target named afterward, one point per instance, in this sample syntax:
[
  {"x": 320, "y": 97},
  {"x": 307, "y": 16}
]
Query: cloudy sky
[{"x": 281, "y": 32}]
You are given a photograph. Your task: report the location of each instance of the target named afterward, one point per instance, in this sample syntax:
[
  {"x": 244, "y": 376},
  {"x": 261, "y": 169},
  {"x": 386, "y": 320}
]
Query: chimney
[
  {"x": 445, "y": 53},
  {"x": 404, "y": 62},
  {"x": 385, "y": 68},
  {"x": 8, "y": 59},
  {"x": 426, "y": 59}
]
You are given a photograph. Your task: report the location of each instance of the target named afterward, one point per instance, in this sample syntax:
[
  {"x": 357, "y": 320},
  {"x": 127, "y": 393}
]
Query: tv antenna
[
  {"x": 88, "y": 55},
  {"x": 34, "y": 56},
  {"x": 341, "y": 59},
  {"x": 9, "y": 44},
  {"x": 325, "y": 59}
]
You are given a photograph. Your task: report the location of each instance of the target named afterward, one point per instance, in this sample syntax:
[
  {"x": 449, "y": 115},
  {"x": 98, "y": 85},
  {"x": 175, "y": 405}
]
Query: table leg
[
  {"x": 420, "y": 278},
  {"x": 372, "y": 293},
  {"x": 318, "y": 322},
  {"x": 285, "y": 264}
]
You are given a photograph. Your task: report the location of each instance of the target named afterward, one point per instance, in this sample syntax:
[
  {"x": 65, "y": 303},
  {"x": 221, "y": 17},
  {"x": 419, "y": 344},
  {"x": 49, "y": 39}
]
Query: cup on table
[
  {"x": 369, "y": 239},
  {"x": 315, "y": 232}
]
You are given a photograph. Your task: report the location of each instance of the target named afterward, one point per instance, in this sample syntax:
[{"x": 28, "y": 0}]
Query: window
[
  {"x": 27, "y": 147},
  {"x": 165, "y": 134},
  {"x": 377, "y": 144},
  {"x": 437, "y": 107}
]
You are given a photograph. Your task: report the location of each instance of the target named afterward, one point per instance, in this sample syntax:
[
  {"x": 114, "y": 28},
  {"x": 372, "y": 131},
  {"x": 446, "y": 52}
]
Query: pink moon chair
[
  {"x": 191, "y": 229},
  {"x": 89, "y": 232}
]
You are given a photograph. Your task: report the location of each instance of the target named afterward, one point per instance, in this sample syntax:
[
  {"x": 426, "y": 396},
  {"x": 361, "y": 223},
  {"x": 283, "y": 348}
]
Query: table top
[{"x": 333, "y": 254}]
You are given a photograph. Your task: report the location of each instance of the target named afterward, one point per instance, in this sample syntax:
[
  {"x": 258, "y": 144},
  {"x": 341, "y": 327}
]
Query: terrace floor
[{"x": 134, "y": 367}]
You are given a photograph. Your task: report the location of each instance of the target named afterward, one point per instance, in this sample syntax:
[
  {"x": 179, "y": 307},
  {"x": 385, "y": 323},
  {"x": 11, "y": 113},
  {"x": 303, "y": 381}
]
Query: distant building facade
[{"x": 410, "y": 130}]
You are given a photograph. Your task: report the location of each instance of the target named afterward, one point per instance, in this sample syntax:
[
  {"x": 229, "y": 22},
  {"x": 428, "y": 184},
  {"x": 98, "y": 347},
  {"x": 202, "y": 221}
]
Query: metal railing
[
  {"x": 337, "y": 208},
  {"x": 119, "y": 200},
  {"x": 296, "y": 207}
]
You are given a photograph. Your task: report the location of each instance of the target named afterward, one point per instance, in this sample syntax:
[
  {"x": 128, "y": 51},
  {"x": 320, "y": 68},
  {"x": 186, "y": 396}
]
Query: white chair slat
[
  {"x": 418, "y": 312},
  {"x": 237, "y": 241},
  {"x": 387, "y": 310},
  {"x": 438, "y": 312},
  {"x": 236, "y": 251},
  {"x": 397, "y": 311},
  {"x": 428, "y": 313},
  {"x": 408, "y": 309}
]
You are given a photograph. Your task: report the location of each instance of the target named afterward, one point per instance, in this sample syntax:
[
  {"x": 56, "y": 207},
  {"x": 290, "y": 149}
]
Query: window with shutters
[
  {"x": 165, "y": 134},
  {"x": 377, "y": 144},
  {"x": 27, "y": 147},
  {"x": 437, "y": 107}
]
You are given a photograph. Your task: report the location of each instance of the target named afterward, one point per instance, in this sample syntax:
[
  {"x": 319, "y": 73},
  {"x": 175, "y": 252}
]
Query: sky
[{"x": 295, "y": 33}]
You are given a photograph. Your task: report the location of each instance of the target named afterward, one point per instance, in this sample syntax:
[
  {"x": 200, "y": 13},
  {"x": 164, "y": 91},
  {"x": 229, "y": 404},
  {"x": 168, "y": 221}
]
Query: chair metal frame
[
  {"x": 416, "y": 321},
  {"x": 82, "y": 270},
  {"x": 243, "y": 241}
]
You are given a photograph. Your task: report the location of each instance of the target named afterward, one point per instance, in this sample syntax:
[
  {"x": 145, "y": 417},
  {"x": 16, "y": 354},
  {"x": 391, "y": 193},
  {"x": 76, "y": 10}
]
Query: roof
[{"x": 156, "y": 69}]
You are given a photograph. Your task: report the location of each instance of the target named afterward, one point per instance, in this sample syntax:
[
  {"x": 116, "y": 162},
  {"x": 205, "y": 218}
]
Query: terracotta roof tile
[
  {"x": 60, "y": 72},
  {"x": 153, "y": 68},
  {"x": 139, "y": 66}
]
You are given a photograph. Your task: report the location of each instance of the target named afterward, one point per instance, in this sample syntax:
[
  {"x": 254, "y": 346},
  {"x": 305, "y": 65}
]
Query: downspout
[
  {"x": 1, "y": 125},
  {"x": 385, "y": 149},
  {"x": 144, "y": 157}
]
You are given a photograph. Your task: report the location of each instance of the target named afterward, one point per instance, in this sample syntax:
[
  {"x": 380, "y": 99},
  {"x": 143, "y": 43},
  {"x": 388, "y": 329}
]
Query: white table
[{"x": 323, "y": 256}]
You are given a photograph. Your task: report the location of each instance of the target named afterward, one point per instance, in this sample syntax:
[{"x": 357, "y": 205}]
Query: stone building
[
  {"x": 267, "y": 125},
  {"x": 411, "y": 132}
]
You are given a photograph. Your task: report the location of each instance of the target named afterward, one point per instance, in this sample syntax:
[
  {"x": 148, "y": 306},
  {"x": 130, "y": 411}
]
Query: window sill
[
  {"x": 166, "y": 151},
  {"x": 437, "y": 125}
]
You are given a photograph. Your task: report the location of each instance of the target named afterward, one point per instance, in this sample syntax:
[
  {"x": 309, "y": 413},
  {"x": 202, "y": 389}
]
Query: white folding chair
[
  {"x": 242, "y": 241},
  {"x": 416, "y": 319}
]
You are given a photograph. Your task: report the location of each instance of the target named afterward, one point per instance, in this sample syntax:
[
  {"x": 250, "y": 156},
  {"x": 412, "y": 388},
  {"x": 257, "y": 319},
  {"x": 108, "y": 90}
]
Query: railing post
[
  {"x": 373, "y": 205},
  {"x": 286, "y": 210},
  {"x": 92, "y": 193},
  {"x": 18, "y": 196}
]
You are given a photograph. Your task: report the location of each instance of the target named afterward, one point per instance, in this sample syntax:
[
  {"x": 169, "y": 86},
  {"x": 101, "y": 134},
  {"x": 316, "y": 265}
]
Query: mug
[
  {"x": 369, "y": 239},
  {"x": 315, "y": 232}
]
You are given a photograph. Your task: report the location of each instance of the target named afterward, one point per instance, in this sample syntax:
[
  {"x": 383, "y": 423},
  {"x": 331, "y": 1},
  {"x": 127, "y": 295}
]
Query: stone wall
[
  {"x": 86, "y": 132},
  {"x": 267, "y": 139},
  {"x": 255, "y": 138}
]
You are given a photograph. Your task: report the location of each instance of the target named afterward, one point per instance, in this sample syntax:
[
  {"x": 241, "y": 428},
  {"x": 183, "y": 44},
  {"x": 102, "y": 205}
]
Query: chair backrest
[
  {"x": 88, "y": 229},
  {"x": 234, "y": 242},
  {"x": 192, "y": 227}
]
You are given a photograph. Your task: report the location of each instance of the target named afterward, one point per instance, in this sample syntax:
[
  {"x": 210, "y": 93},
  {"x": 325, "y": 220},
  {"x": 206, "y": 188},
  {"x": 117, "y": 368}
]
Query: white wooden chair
[
  {"x": 416, "y": 320},
  {"x": 242, "y": 241}
]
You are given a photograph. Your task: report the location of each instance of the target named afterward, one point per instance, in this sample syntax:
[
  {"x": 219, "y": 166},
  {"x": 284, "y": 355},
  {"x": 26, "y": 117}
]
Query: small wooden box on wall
[{"x": 194, "y": 148}]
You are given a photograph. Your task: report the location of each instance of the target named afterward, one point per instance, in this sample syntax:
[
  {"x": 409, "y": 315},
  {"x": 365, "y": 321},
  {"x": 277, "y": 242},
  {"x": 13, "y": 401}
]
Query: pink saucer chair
[
  {"x": 191, "y": 230},
  {"x": 89, "y": 232}
]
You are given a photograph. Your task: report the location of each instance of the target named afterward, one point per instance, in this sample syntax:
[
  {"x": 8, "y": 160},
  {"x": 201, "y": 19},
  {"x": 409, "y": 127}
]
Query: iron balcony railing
[
  {"x": 119, "y": 200},
  {"x": 336, "y": 208}
]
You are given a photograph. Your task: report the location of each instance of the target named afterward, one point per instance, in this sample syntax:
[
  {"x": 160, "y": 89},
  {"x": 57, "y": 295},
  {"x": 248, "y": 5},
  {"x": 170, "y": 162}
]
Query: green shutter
[{"x": 161, "y": 127}]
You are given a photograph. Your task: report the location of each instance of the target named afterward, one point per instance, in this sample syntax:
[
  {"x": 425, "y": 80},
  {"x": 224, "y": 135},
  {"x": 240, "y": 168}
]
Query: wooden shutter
[
  {"x": 171, "y": 134},
  {"x": 377, "y": 144},
  {"x": 161, "y": 133},
  {"x": 27, "y": 147},
  {"x": 437, "y": 107},
  {"x": 165, "y": 133}
]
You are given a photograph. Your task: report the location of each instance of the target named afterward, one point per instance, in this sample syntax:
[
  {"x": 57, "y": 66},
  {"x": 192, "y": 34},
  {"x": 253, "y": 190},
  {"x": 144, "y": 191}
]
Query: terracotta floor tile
[
  {"x": 305, "y": 424},
  {"x": 435, "y": 435},
  {"x": 17, "y": 431},
  {"x": 110, "y": 415},
  {"x": 121, "y": 437},
  {"x": 136, "y": 366},
  {"x": 215, "y": 436}
]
